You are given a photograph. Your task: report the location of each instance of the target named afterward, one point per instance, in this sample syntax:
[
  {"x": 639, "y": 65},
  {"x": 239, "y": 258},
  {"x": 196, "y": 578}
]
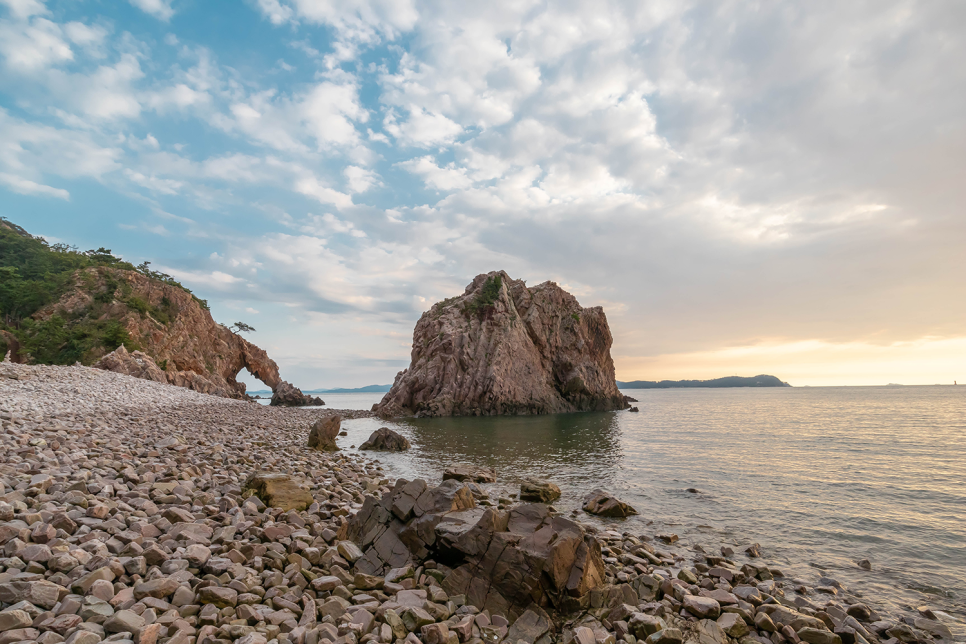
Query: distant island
[
  {"x": 728, "y": 381},
  {"x": 368, "y": 389}
]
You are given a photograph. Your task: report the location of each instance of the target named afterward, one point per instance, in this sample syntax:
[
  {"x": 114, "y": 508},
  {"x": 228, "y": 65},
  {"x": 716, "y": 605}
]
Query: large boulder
[
  {"x": 277, "y": 491},
  {"x": 285, "y": 394},
  {"x": 505, "y": 348},
  {"x": 385, "y": 440},
  {"x": 501, "y": 561},
  {"x": 323, "y": 432},
  {"x": 136, "y": 364},
  {"x": 605, "y": 504}
]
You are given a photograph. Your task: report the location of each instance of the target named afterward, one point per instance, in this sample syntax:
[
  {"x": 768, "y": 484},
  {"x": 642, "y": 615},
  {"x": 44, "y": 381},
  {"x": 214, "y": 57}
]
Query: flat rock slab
[{"x": 278, "y": 491}]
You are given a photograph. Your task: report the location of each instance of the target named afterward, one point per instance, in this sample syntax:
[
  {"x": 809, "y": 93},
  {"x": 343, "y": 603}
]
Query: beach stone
[
  {"x": 733, "y": 624},
  {"x": 666, "y": 636},
  {"x": 220, "y": 597},
  {"x": 539, "y": 491},
  {"x": 13, "y": 619},
  {"x": 642, "y": 625},
  {"x": 529, "y": 627},
  {"x": 818, "y": 636},
  {"x": 702, "y": 607},
  {"x": 323, "y": 432},
  {"x": 278, "y": 491},
  {"x": 385, "y": 440},
  {"x": 124, "y": 621},
  {"x": 605, "y": 504},
  {"x": 157, "y": 588},
  {"x": 83, "y": 637},
  {"x": 40, "y": 593},
  {"x": 468, "y": 472}
]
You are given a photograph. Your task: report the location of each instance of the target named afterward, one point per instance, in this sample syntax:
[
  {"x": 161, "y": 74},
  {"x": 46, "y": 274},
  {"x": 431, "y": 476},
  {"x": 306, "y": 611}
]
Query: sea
[{"x": 820, "y": 477}]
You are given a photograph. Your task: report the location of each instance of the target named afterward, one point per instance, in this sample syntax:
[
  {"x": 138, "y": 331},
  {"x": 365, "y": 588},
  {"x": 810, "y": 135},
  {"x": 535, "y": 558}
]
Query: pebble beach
[{"x": 123, "y": 518}]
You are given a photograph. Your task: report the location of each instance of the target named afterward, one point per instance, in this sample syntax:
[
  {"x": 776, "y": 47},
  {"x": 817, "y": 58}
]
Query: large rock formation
[
  {"x": 501, "y": 561},
  {"x": 171, "y": 327},
  {"x": 504, "y": 348}
]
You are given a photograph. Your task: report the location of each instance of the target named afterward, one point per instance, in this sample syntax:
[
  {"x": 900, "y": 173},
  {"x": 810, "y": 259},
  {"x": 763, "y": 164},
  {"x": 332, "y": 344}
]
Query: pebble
[{"x": 124, "y": 517}]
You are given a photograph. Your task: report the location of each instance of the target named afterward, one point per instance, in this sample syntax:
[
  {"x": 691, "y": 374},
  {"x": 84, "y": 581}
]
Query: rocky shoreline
[{"x": 124, "y": 516}]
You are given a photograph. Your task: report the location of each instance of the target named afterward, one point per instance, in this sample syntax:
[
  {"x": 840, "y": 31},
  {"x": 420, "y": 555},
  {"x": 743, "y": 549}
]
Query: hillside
[
  {"x": 729, "y": 381},
  {"x": 61, "y": 306}
]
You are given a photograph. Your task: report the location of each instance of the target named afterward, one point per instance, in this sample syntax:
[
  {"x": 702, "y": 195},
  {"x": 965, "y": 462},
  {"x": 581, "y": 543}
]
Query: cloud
[
  {"x": 422, "y": 128},
  {"x": 28, "y": 187},
  {"x": 445, "y": 179},
  {"x": 160, "y": 9}
]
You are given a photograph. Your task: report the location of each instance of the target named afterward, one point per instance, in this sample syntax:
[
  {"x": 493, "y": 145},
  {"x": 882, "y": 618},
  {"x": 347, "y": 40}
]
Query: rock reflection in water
[{"x": 573, "y": 450}]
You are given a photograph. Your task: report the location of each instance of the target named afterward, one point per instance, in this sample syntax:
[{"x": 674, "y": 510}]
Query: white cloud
[
  {"x": 445, "y": 179},
  {"x": 422, "y": 128},
  {"x": 311, "y": 187},
  {"x": 360, "y": 179},
  {"x": 34, "y": 46},
  {"x": 28, "y": 187},
  {"x": 160, "y": 9},
  {"x": 23, "y": 9}
]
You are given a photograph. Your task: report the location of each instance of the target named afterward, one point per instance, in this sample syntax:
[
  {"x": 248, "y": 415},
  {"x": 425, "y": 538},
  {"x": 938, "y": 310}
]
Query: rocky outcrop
[
  {"x": 385, "y": 440},
  {"x": 288, "y": 395},
  {"x": 505, "y": 348},
  {"x": 323, "y": 432},
  {"x": 501, "y": 561},
  {"x": 172, "y": 328}
]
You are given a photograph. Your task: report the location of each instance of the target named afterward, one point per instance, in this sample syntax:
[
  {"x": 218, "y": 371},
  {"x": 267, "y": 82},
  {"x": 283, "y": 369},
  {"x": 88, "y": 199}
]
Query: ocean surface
[{"x": 821, "y": 477}]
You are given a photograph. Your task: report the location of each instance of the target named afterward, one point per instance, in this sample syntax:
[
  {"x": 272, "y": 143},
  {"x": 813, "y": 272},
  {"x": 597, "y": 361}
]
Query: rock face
[
  {"x": 322, "y": 434},
  {"x": 504, "y": 348},
  {"x": 385, "y": 440},
  {"x": 501, "y": 561}
]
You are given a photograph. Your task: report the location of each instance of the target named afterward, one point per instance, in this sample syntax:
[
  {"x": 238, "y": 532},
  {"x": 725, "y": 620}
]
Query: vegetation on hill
[
  {"x": 34, "y": 274},
  {"x": 729, "y": 381}
]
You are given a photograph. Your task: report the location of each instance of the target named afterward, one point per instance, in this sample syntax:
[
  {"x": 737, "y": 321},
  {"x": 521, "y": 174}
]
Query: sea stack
[{"x": 505, "y": 348}]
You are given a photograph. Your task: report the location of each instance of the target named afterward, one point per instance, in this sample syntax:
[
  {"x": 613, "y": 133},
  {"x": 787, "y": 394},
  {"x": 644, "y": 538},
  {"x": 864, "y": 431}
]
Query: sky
[{"x": 745, "y": 187}]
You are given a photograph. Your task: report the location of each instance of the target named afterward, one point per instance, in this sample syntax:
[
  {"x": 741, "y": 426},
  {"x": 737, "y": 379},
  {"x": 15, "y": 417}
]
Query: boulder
[
  {"x": 285, "y": 394},
  {"x": 323, "y": 432},
  {"x": 539, "y": 491},
  {"x": 467, "y": 472},
  {"x": 605, "y": 504},
  {"x": 501, "y": 561},
  {"x": 136, "y": 364},
  {"x": 505, "y": 348},
  {"x": 385, "y": 440},
  {"x": 277, "y": 491}
]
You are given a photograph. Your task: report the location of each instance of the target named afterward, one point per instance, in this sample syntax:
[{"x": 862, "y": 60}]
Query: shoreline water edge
[{"x": 124, "y": 517}]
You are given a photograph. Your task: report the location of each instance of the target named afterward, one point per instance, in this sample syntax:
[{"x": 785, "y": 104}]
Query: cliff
[
  {"x": 60, "y": 306},
  {"x": 504, "y": 348},
  {"x": 168, "y": 325}
]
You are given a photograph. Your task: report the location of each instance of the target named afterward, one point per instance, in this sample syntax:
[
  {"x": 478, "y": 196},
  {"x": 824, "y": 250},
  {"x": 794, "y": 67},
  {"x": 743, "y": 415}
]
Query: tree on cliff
[{"x": 241, "y": 327}]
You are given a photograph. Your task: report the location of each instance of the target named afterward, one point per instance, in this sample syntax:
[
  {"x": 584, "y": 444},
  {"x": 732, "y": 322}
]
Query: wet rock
[
  {"x": 467, "y": 472},
  {"x": 605, "y": 504},
  {"x": 539, "y": 491},
  {"x": 323, "y": 432},
  {"x": 385, "y": 440},
  {"x": 818, "y": 636}
]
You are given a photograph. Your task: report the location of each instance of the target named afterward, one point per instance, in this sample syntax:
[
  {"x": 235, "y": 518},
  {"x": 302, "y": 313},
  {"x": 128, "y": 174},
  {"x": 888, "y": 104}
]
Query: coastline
[{"x": 118, "y": 464}]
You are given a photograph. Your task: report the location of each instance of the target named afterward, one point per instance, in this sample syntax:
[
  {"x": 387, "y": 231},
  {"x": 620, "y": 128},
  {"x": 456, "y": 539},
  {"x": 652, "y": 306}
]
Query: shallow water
[{"x": 821, "y": 477}]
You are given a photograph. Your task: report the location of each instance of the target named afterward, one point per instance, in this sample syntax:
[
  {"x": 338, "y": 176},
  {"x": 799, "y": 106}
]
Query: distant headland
[{"x": 728, "y": 381}]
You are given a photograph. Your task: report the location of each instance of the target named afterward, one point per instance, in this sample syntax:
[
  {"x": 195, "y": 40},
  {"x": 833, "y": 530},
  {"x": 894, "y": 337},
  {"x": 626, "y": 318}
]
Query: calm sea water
[{"x": 820, "y": 477}]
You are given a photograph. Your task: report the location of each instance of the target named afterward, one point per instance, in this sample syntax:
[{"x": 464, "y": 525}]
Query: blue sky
[{"x": 744, "y": 187}]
